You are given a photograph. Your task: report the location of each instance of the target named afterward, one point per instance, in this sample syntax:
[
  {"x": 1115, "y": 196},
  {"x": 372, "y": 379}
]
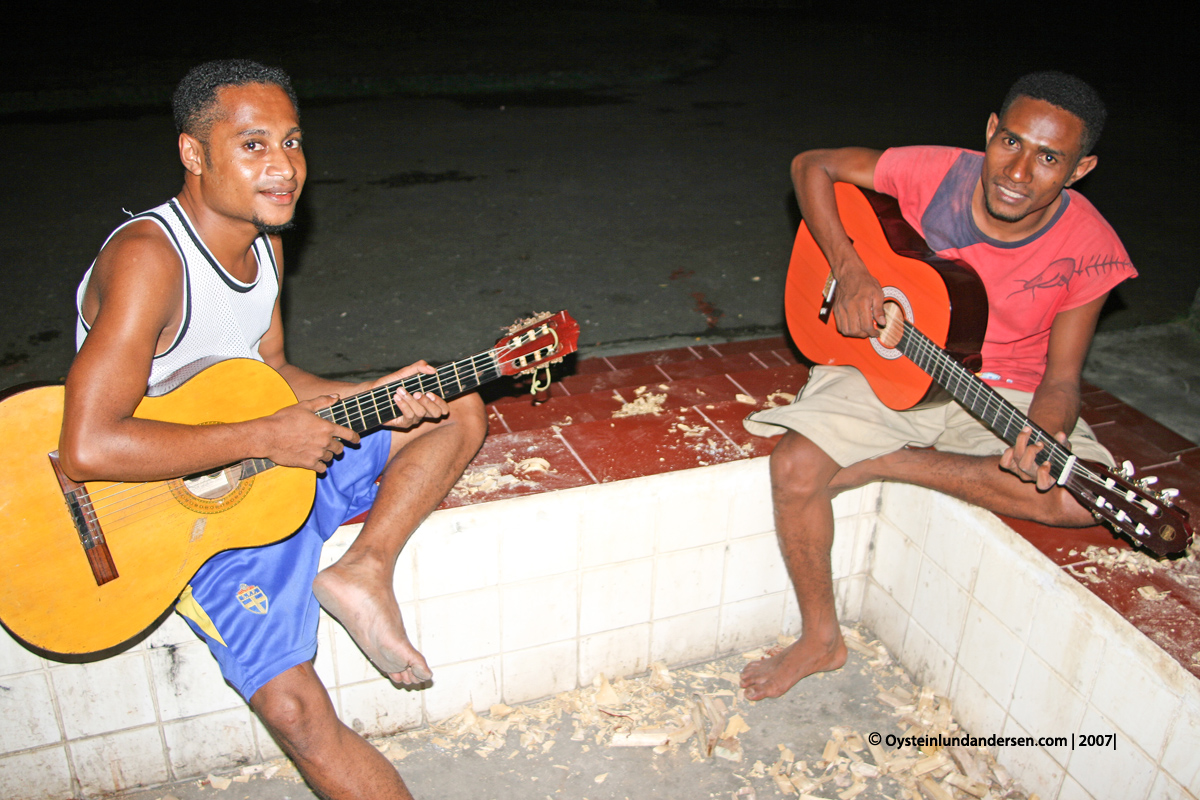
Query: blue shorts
[{"x": 255, "y": 607}]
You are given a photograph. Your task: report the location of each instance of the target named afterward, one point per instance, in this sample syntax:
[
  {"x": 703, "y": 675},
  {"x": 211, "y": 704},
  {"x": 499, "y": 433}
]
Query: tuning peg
[
  {"x": 1126, "y": 470},
  {"x": 1148, "y": 481},
  {"x": 1168, "y": 495}
]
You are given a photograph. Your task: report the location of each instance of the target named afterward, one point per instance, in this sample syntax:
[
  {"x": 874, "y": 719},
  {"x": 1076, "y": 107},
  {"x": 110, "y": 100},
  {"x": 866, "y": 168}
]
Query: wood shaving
[{"x": 644, "y": 402}]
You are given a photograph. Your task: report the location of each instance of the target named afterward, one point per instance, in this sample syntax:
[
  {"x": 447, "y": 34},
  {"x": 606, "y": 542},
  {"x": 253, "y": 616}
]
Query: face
[
  {"x": 1032, "y": 154},
  {"x": 252, "y": 167}
]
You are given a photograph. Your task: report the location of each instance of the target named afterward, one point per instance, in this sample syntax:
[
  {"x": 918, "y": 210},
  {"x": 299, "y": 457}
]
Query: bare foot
[
  {"x": 774, "y": 675},
  {"x": 365, "y": 604}
]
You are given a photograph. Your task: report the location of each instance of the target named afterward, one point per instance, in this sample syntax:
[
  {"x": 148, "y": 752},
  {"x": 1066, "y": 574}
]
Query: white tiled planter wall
[
  {"x": 975, "y": 611},
  {"x": 519, "y": 599}
]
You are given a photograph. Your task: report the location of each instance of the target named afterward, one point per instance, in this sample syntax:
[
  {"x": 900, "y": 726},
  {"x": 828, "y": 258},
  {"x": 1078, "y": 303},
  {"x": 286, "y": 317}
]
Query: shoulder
[
  {"x": 139, "y": 259},
  {"x": 902, "y": 169}
]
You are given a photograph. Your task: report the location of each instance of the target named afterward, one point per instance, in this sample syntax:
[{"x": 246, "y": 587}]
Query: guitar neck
[
  {"x": 988, "y": 405},
  {"x": 370, "y": 409}
]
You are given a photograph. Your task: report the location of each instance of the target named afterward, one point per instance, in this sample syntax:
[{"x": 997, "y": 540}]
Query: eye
[
  {"x": 252, "y": 145},
  {"x": 292, "y": 144}
]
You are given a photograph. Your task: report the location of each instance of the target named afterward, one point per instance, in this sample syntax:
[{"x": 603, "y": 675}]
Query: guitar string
[
  {"x": 951, "y": 372},
  {"x": 113, "y": 503}
]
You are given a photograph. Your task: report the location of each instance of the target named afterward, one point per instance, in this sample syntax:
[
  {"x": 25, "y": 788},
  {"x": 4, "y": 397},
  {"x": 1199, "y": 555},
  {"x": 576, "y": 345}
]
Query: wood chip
[
  {"x": 932, "y": 791},
  {"x": 925, "y": 765},
  {"x": 217, "y": 782},
  {"x": 1150, "y": 593},
  {"x": 643, "y": 737},
  {"x": 971, "y": 787},
  {"x": 735, "y": 726}
]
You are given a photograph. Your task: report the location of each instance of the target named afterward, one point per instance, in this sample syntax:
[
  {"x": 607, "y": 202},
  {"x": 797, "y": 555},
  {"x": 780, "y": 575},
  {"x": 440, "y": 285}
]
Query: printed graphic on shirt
[{"x": 1058, "y": 273}]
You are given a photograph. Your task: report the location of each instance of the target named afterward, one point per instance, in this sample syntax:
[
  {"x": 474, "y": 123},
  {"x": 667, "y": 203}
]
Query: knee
[
  {"x": 296, "y": 714},
  {"x": 469, "y": 414},
  {"x": 799, "y": 468}
]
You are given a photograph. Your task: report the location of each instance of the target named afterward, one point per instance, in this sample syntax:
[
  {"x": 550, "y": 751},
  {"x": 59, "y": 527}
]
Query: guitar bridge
[{"x": 79, "y": 504}]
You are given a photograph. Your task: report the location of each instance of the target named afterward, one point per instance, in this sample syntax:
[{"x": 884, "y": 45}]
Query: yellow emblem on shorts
[{"x": 252, "y": 599}]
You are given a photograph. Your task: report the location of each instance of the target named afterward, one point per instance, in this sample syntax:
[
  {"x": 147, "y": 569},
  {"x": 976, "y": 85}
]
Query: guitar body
[
  {"x": 158, "y": 533},
  {"x": 944, "y": 298}
]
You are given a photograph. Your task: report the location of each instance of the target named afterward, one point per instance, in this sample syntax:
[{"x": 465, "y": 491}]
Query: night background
[{"x": 626, "y": 160}]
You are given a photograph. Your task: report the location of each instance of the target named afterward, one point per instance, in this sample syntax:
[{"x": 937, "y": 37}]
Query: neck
[
  {"x": 1004, "y": 230},
  {"x": 230, "y": 241}
]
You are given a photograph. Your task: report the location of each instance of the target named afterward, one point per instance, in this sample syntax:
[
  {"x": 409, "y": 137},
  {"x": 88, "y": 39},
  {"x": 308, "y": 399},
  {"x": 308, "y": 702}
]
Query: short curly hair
[
  {"x": 195, "y": 100},
  {"x": 1068, "y": 93}
]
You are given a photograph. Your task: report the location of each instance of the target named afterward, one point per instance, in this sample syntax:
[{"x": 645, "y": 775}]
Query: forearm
[{"x": 1055, "y": 406}]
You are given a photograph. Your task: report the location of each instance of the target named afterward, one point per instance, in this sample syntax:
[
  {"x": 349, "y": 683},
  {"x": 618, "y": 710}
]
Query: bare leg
[
  {"x": 978, "y": 480},
  {"x": 337, "y": 763},
  {"x": 357, "y": 590},
  {"x": 800, "y": 476}
]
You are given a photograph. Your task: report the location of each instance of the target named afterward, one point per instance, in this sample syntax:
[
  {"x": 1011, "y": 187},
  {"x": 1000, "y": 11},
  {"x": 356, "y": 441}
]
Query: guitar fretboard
[
  {"x": 375, "y": 407},
  {"x": 1001, "y": 416}
]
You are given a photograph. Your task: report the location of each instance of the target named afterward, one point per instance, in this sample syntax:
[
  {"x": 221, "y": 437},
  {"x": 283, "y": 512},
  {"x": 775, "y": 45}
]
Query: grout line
[
  {"x": 563, "y": 439},
  {"x": 500, "y": 417},
  {"x": 738, "y": 385},
  {"x": 738, "y": 447},
  {"x": 754, "y": 355},
  {"x": 663, "y": 372}
]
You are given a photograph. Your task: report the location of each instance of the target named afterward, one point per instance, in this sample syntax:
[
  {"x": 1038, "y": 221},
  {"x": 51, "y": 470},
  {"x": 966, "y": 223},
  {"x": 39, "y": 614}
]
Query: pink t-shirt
[{"x": 1071, "y": 261}]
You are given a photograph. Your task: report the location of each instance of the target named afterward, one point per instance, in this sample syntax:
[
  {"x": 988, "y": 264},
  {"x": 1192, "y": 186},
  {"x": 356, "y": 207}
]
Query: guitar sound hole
[
  {"x": 893, "y": 328},
  {"x": 215, "y": 485}
]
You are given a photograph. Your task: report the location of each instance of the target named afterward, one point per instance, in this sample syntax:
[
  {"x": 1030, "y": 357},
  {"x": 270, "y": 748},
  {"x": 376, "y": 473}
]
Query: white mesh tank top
[{"x": 222, "y": 317}]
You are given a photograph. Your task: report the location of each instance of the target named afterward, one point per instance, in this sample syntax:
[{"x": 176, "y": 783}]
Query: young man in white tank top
[{"x": 213, "y": 255}]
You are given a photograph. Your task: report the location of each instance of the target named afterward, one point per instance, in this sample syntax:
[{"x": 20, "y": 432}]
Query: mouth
[
  {"x": 279, "y": 195},
  {"x": 1008, "y": 195}
]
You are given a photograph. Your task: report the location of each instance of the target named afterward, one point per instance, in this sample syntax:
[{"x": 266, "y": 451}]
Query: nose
[
  {"x": 283, "y": 163},
  {"x": 1020, "y": 168}
]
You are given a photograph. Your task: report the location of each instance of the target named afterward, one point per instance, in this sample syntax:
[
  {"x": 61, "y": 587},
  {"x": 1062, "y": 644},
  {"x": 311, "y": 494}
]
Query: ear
[
  {"x": 1082, "y": 167},
  {"x": 191, "y": 153},
  {"x": 992, "y": 125}
]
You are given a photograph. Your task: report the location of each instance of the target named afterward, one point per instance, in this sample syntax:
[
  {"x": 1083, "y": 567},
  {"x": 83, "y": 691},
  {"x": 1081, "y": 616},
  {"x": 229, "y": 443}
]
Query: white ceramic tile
[
  {"x": 686, "y": 638},
  {"x": 907, "y": 507},
  {"x": 1183, "y": 743},
  {"x": 754, "y": 567},
  {"x": 885, "y": 617},
  {"x": 616, "y": 596},
  {"x": 41, "y": 774},
  {"x": 694, "y": 514},
  {"x": 1008, "y": 587},
  {"x": 460, "y": 627},
  {"x": 940, "y": 606},
  {"x": 268, "y": 748},
  {"x": 1064, "y": 633},
  {"x": 171, "y": 631},
  {"x": 750, "y": 509},
  {"x": 453, "y": 558},
  {"x": 539, "y": 611},
  {"x": 325, "y": 662},
  {"x": 926, "y": 660},
  {"x": 103, "y": 696},
  {"x": 1165, "y": 788},
  {"x": 618, "y": 654},
  {"x": 1032, "y": 767},
  {"x": 1071, "y": 790},
  {"x": 750, "y": 623},
  {"x": 27, "y": 713},
  {"x": 953, "y": 540},
  {"x": 1124, "y": 773},
  {"x": 848, "y": 597},
  {"x": 855, "y": 501},
  {"x": 539, "y": 536},
  {"x": 612, "y": 532},
  {"x": 990, "y": 653},
  {"x": 688, "y": 580},
  {"x": 975, "y": 709},
  {"x": 1044, "y": 703},
  {"x": 188, "y": 681},
  {"x": 540, "y": 671},
  {"x": 896, "y": 564},
  {"x": 119, "y": 761},
  {"x": 471, "y": 683},
  {"x": 336, "y": 546},
  {"x": 1130, "y": 694},
  {"x": 379, "y": 707},
  {"x": 201, "y": 745},
  {"x": 14, "y": 658}
]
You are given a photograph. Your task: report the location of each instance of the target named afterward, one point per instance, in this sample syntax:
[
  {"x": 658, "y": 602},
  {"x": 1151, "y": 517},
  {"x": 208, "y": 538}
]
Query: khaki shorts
[{"x": 840, "y": 413}]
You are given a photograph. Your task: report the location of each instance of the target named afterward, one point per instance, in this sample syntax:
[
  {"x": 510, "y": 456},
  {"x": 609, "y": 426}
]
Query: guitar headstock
[
  {"x": 1147, "y": 517},
  {"x": 541, "y": 339}
]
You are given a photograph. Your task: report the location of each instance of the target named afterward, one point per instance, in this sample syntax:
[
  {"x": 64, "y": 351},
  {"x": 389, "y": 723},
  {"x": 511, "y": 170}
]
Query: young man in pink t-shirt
[{"x": 1047, "y": 260}]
